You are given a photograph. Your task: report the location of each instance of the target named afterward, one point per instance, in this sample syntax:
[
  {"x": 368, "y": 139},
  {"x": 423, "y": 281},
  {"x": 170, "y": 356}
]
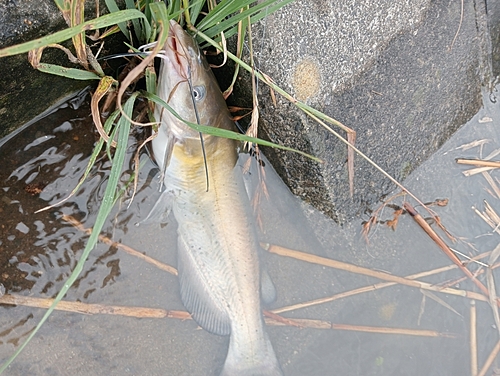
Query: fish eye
[{"x": 199, "y": 93}]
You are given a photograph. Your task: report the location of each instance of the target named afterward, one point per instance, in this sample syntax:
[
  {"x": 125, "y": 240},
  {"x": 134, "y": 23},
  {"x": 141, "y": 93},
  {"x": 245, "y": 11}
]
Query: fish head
[{"x": 188, "y": 85}]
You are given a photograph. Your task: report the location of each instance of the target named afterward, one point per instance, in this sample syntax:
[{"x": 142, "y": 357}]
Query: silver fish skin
[{"x": 218, "y": 262}]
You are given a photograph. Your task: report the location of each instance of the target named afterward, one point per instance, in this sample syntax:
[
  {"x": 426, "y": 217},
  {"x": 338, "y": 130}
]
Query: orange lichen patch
[{"x": 306, "y": 79}]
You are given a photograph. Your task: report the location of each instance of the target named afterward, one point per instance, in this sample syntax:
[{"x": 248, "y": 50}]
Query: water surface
[{"x": 43, "y": 163}]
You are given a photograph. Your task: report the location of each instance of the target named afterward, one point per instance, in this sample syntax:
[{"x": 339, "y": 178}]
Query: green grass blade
[
  {"x": 107, "y": 126},
  {"x": 113, "y": 8},
  {"x": 175, "y": 7},
  {"x": 162, "y": 17},
  {"x": 97, "y": 149},
  {"x": 61, "y": 4},
  {"x": 150, "y": 80},
  {"x": 159, "y": 13},
  {"x": 112, "y": 136},
  {"x": 261, "y": 14},
  {"x": 195, "y": 10},
  {"x": 144, "y": 7},
  {"x": 239, "y": 53},
  {"x": 130, "y": 4},
  {"x": 227, "y": 12},
  {"x": 146, "y": 28},
  {"x": 229, "y": 26},
  {"x": 104, "y": 210},
  {"x": 304, "y": 107},
  {"x": 206, "y": 129},
  {"x": 76, "y": 74},
  {"x": 129, "y": 181},
  {"x": 60, "y": 36},
  {"x": 222, "y": 10}
]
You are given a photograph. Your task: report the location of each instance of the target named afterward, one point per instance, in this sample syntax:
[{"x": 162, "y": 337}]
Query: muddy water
[{"x": 43, "y": 163}]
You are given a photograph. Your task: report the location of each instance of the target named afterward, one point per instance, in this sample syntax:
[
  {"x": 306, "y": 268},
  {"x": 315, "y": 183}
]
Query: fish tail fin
[{"x": 262, "y": 362}]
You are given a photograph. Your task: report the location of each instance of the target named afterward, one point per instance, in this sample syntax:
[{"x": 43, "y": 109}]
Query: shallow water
[{"x": 38, "y": 251}]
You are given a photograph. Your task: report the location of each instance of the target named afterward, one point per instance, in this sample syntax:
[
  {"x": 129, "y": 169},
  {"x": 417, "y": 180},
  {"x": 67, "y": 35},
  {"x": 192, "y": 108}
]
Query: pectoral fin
[
  {"x": 195, "y": 294},
  {"x": 160, "y": 211}
]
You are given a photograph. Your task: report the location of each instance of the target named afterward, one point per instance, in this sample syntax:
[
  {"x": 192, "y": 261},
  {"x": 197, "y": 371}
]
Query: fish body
[{"x": 218, "y": 262}]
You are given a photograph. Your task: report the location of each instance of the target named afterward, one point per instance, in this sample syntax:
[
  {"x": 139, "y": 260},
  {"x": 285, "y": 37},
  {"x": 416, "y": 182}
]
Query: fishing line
[
  {"x": 124, "y": 54},
  {"x": 198, "y": 122}
]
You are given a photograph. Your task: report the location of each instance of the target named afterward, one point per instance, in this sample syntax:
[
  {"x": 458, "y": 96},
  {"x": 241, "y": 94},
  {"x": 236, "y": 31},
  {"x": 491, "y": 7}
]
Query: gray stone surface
[
  {"x": 389, "y": 70},
  {"x": 494, "y": 21},
  {"x": 25, "y": 20},
  {"x": 26, "y": 92}
]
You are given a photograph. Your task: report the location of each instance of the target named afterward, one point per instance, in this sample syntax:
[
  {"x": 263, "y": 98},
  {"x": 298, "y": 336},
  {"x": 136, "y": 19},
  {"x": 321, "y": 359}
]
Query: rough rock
[
  {"x": 403, "y": 74},
  {"x": 26, "y": 92}
]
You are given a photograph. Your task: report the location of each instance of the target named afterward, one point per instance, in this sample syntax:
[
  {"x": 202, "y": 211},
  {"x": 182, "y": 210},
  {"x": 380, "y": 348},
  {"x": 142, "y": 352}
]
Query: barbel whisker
[
  {"x": 162, "y": 55},
  {"x": 199, "y": 123}
]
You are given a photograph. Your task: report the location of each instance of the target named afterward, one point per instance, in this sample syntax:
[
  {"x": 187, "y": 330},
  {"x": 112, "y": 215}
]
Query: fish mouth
[{"x": 177, "y": 50}]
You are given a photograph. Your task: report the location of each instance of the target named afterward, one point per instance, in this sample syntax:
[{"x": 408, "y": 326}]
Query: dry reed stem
[
  {"x": 444, "y": 247},
  {"x": 422, "y": 309},
  {"x": 157, "y": 313},
  {"x": 478, "y": 162},
  {"x": 351, "y": 138},
  {"x": 320, "y": 324},
  {"x": 105, "y": 85},
  {"x": 360, "y": 290},
  {"x": 440, "y": 301},
  {"x": 137, "y": 165},
  {"x": 477, "y": 170},
  {"x": 484, "y": 164},
  {"x": 491, "y": 285},
  {"x": 313, "y": 259},
  {"x": 492, "y": 183},
  {"x": 375, "y": 214},
  {"x": 282, "y": 320},
  {"x": 492, "y": 155},
  {"x": 92, "y": 309},
  {"x": 290, "y": 253},
  {"x": 486, "y": 218},
  {"x": 377, "y": 286},
  {"x": 78, "y": 225},
  {"x": 493, "y": 216},
  {"x": 473, "y": 339},
  {"x": 272, "y": 318},
  {"x": 490, "y": 360}
]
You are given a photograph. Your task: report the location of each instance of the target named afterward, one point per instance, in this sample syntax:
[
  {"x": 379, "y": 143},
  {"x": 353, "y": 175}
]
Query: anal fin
[{"x": 195, "y": 295}]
